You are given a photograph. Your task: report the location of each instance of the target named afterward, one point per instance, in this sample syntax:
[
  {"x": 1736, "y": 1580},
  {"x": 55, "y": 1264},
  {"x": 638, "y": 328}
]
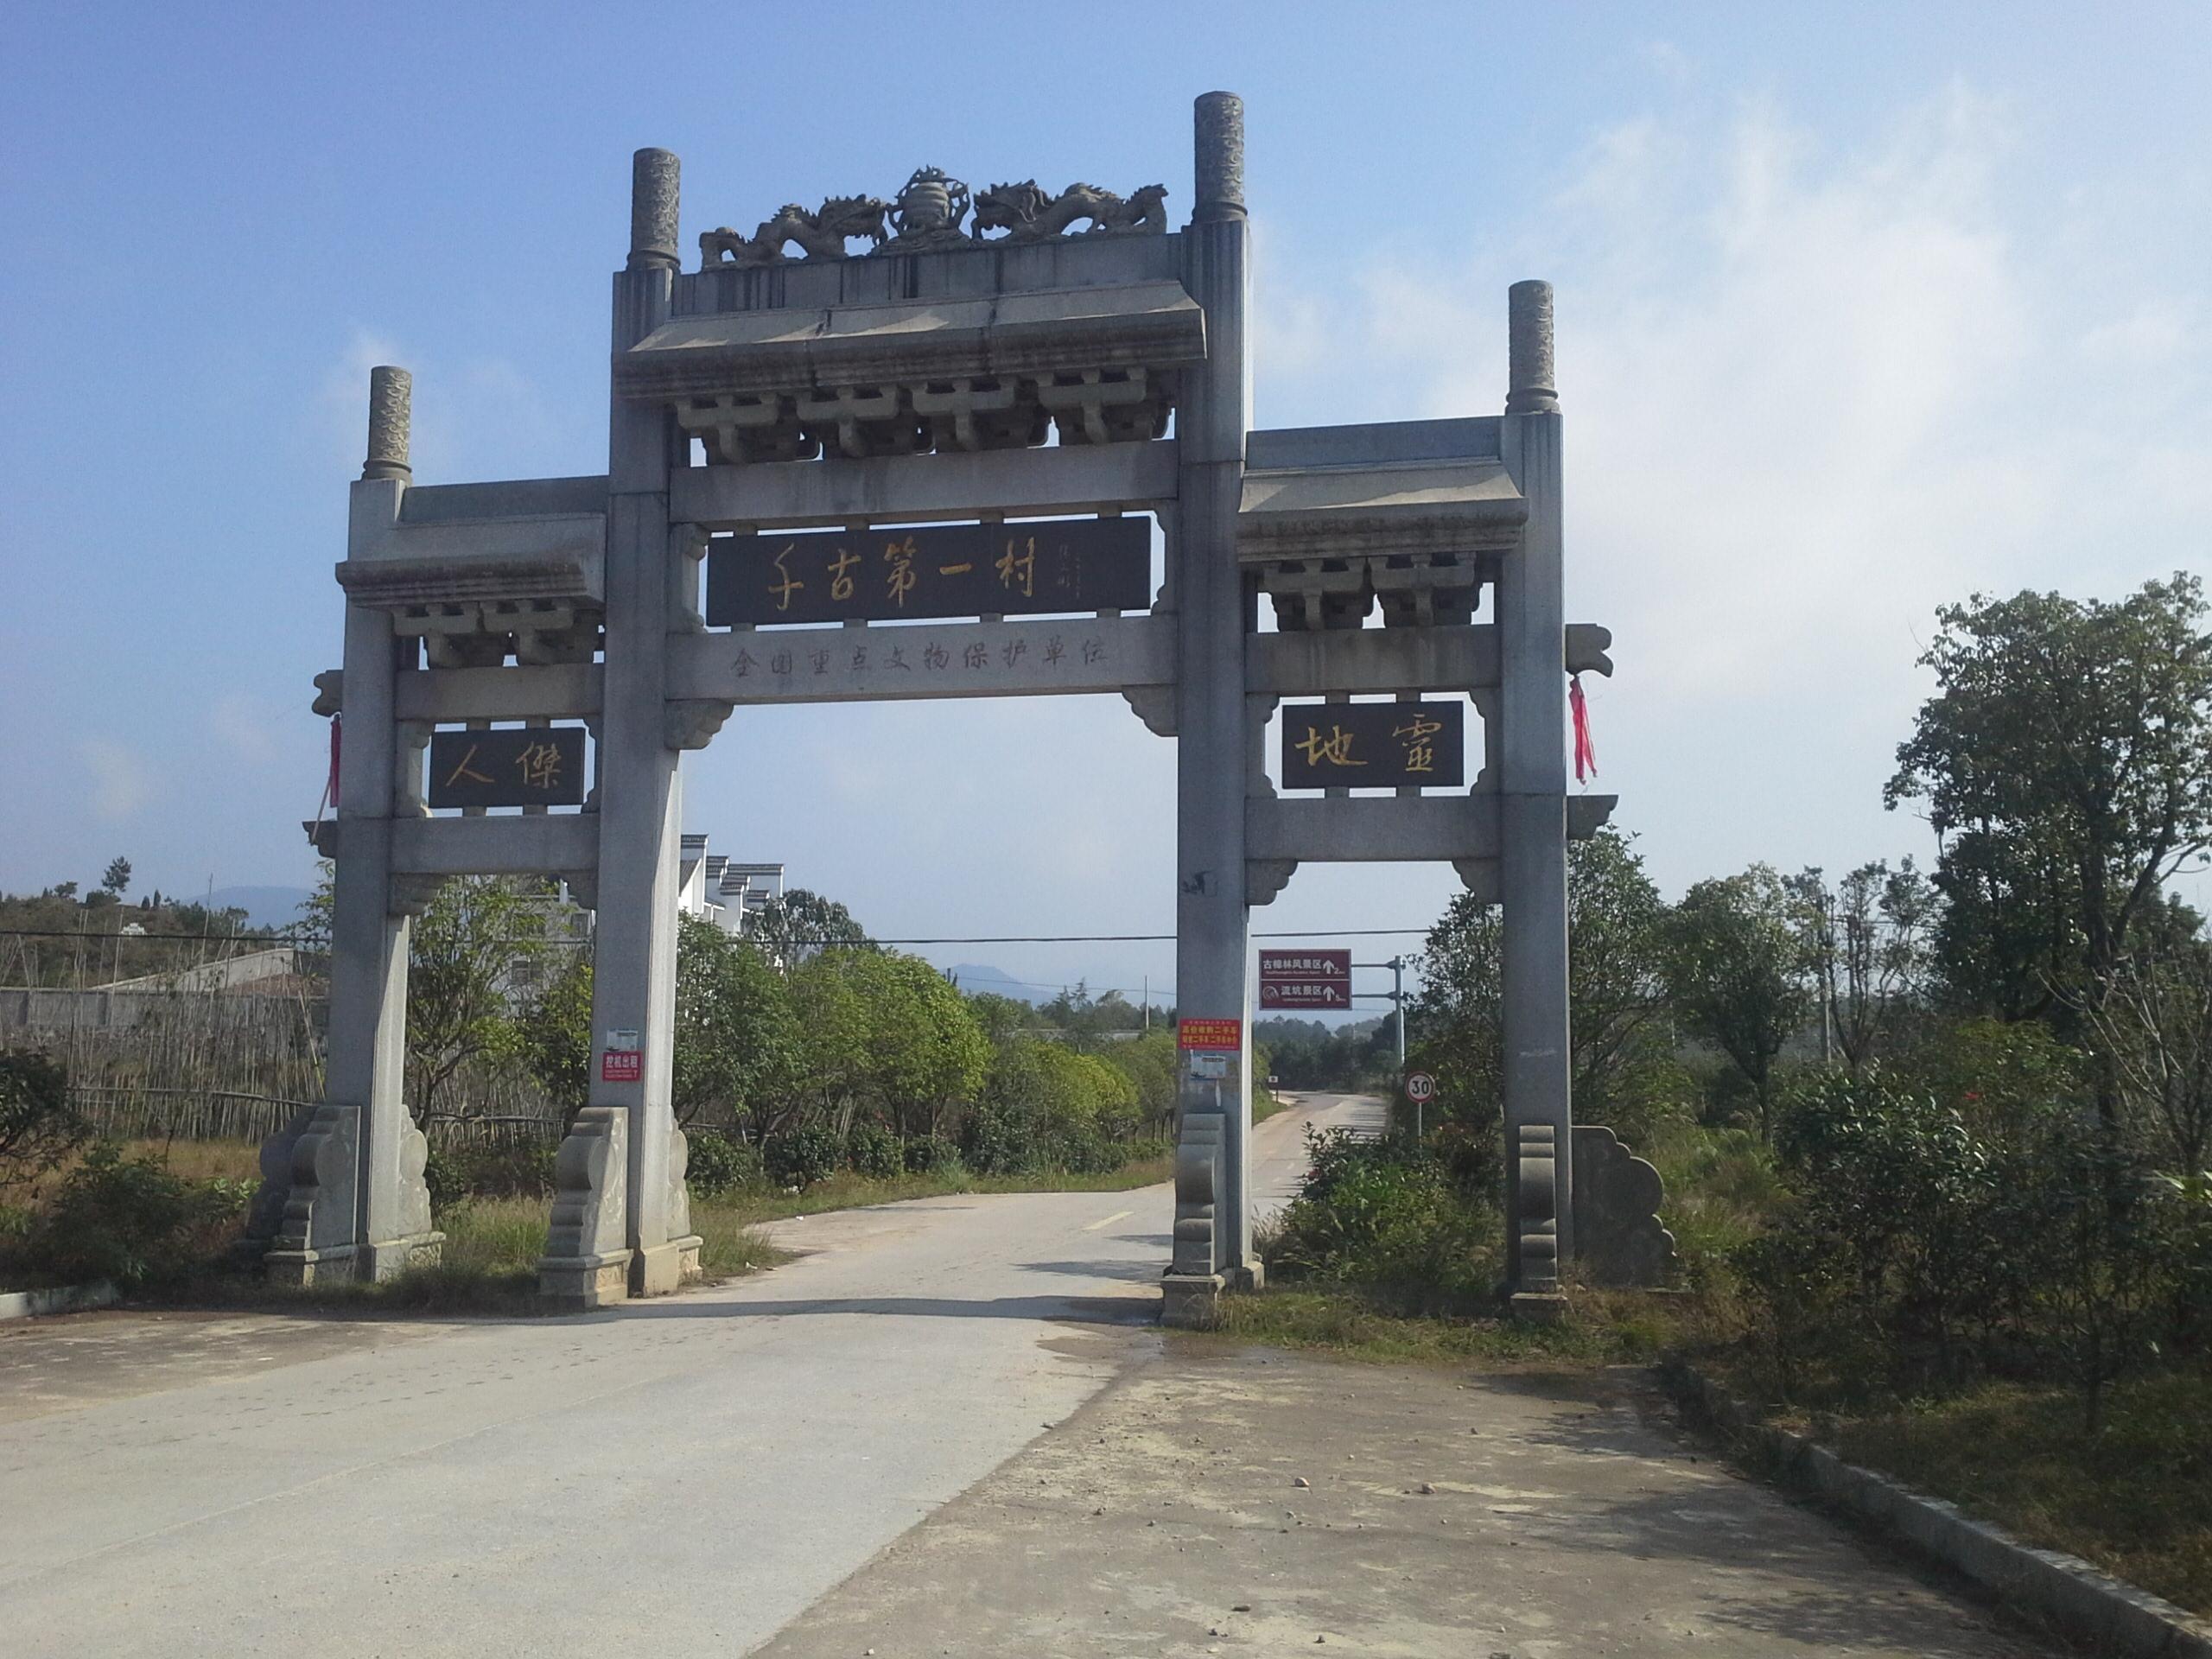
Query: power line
[{"x": 989, "y": 939}]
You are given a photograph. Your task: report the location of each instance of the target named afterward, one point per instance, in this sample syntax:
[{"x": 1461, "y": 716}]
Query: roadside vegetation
[{"x": 1937, "y": 1145}]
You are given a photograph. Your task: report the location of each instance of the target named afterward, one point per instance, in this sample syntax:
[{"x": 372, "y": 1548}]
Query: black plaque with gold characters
[
  {"x": 1373, "y": 745},
  {"x": 1040, "y": 568},
  {"x": 536, "y": 767}
]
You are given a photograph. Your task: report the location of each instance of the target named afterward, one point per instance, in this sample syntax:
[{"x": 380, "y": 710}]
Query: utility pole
[
  {"x": 1147, "y": 1005},
  {"x": 1398, "y": 1001}
]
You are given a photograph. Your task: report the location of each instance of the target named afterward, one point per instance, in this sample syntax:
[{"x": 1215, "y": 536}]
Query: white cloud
[
  {"x": 1811, "y": 394},
  {"x": 478, "y": 417},
  {"x": 121, "y": 777}
]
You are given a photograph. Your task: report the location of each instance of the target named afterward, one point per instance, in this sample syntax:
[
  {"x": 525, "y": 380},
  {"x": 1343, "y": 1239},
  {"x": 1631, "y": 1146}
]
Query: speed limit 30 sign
[{"x": 1421, "y": 1088}]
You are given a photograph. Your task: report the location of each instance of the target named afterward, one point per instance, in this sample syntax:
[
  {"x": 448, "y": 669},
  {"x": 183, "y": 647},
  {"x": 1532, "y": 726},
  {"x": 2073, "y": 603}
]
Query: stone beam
[
  {"x": 1029, "y": 658},
  {"x": 552, "y": 845},
  {"x": 556, "y": 691},
  {"x": 1454, "y": 658},
  {"x": 1439, "y": 828},
  {"x": 916, "y": 489}
]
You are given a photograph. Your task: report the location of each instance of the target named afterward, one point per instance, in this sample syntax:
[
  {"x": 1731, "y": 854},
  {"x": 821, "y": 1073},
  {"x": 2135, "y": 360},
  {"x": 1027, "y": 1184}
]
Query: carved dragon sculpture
[
  {"x": 819, "y": 235},
  {"x": 1026, "y": 213}
]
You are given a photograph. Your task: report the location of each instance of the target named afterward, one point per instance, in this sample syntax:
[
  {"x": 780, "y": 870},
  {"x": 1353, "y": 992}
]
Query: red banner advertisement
[{"x": 1209, "y": 1034}]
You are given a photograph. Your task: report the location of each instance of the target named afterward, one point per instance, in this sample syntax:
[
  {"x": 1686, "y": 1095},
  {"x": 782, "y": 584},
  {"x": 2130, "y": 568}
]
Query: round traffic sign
[{"x": 1421, "y": 1088}]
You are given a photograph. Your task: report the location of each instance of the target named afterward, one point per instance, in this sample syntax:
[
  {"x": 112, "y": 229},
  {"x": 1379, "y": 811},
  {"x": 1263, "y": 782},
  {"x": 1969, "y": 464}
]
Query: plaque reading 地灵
[
  {"x": 536, "y": 767},
  {"x": 937, "y": 570},
  {"x": 1373, "y": 745}
]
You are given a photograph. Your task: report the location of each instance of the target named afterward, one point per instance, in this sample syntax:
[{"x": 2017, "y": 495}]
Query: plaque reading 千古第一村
[{"x": 938, "y": 570}]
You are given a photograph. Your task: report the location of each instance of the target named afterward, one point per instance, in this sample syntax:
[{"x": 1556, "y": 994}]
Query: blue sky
[{"x": 1860, "y": 309}]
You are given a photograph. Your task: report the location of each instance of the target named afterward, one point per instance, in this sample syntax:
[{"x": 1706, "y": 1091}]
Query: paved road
[
  {"x": 714, "y": 1462},
  {"x": 703, "y": 1469}
]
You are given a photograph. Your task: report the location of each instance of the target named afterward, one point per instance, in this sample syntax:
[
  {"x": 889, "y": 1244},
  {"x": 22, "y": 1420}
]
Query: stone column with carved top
[
  {"x": 353, "y": 1200},
  {"x": 1216, "y": 613},
  {"x": 607, "y": 1241}
]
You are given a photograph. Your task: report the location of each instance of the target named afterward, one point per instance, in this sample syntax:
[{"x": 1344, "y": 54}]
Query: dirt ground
[{"x": 1235, "y": 1501}]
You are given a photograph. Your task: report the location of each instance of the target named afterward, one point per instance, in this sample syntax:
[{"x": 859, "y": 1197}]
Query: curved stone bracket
[
  {"x": 329, "y": 691},
  {"x": 1197, "y": 1156},
  {"x": 1619, "y": 1240},
  {"x": 1265, "y": 878},
  {"x": 1479, "y": 877},
  {"x": 1535, "y": 1209},
  {"x": 691, "y": 722},
  {"x": 411, "y": 893},
  {"x": 1155, "y": 705}
]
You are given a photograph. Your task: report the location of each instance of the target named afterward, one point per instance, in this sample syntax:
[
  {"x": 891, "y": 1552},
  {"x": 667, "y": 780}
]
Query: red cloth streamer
[
  {"x": 332, "y": 789},
  {"x": 1585, "y": 757}
]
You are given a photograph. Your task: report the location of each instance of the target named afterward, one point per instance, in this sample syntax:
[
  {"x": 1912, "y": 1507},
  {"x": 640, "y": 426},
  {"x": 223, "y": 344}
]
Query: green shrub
[
  {"x": 995, "y": 1140},
  {"x": 515, "y": 1170},
  {"x": 130, "y": 1220},
  {"x": 1081, "y": 1154},
  {"x": 1385, "y": 1217},
  {"x": 874, "y": 1151},
  {"x": 718, "y": 1164},
  {"x": 38, "y": 1130},
  {"x": 801, "y": 1157},
  {"x": 932, "y": 1155}
]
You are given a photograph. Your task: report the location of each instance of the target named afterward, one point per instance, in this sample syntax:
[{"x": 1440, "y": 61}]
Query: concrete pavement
[{"x": 698, "y": 1474}]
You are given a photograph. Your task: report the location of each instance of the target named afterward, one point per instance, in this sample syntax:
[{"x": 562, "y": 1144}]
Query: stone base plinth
[
  {"x": 1537, "y": 1306},
  {"x": 1253, "y": 1276},
  {"x": 660, "y": 1270},
  {"x": 575, "y": 1284},
  {"x": 298, "y": 1269},
  {"x": 378, "y": 1263},
  {"x": 1192, "y": 1301}
]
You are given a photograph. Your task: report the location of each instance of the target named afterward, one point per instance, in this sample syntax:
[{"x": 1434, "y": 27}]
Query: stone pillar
[
  {"x": 627, "y": 1133},
  {"x": 356, "y": 1205},
  {"x": 1532, "y": 807},
  {"x": 1215, "y": 614}
]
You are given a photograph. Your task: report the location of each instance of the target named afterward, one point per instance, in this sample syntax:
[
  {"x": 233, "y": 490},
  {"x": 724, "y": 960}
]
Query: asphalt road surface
[{"x": 687, "y": 1476}]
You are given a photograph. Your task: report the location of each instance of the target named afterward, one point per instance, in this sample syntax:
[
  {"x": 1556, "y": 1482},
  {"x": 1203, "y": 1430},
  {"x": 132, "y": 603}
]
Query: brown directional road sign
[
  {"x": 1306, "y": 979},
  {"x": 1038, "y": 567}
]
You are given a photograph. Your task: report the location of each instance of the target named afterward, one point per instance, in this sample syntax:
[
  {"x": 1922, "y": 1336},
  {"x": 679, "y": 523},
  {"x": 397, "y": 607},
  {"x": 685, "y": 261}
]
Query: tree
[
  {"x": 1864, "y": 946},
  {"x": 473, "y": 957},
  {"x": 793, "y": 929},
  {"x": 1615, "y": 957},
  {"x": 735, "y": 1043},
  {"x": 1732, "y": 963},
  {"x": 2156, "y": 1023},
  {"x": 116, "y": 878},
  {"x": 2066, "y": 761}
]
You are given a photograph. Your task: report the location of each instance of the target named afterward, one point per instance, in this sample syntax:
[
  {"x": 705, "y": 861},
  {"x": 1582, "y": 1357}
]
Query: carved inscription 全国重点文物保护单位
[
  {"x": 1043, "y": 568},
  {"x": 1373, "y": 745},
  {"x": 536, "y": 767}
]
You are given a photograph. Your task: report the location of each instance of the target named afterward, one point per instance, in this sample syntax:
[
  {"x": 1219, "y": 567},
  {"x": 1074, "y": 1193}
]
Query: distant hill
[
  {"x": 264, "y": 907},
  {"x": 973, "y": 977}
]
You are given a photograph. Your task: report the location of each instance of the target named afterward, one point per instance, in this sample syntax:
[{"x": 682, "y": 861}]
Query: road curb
[
  {"x": 57, "y": 1298},
  {"x": 2064, "y": 1589}
]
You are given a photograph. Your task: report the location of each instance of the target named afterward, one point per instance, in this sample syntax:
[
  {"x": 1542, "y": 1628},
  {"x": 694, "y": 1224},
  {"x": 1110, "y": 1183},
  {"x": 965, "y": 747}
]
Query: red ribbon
[{"x": 1585, "y": 757}]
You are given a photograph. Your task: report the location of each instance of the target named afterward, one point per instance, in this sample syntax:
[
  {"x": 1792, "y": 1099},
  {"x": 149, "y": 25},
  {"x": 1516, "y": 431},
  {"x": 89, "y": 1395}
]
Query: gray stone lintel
[
  {"x": 1438, "y": 829},
  {"x": 1375, "y": 443},
  {"x": 555, "y": 691},
  {"x": 1029, "y": 656},
  {"x": 1039, "y": 332},
  {"x": 914, "y": 489},
  {"x": 1403, "y": 509},
  {"x": 554, "y": 844},
  {"x": 1461, "y": 657}
]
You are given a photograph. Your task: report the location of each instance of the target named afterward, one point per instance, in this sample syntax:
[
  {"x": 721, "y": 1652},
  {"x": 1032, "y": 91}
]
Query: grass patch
[
  {"x": 2135, "y": 1499},
  {"x": 1349, "y": 1325}
]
